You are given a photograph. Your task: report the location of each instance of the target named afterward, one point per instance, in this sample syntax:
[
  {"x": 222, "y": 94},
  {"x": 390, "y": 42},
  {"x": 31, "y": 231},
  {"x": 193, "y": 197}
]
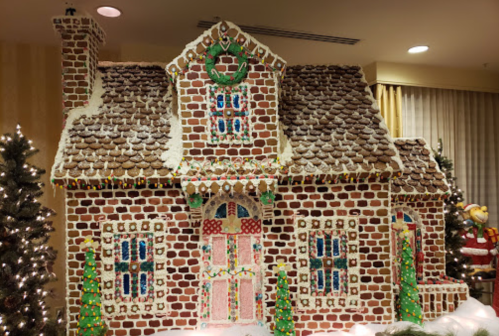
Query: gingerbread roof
[
  {"x": 332, "y": 122},
  {"x": 421, "y": 174},
  {"x": 124, "y": 129}
]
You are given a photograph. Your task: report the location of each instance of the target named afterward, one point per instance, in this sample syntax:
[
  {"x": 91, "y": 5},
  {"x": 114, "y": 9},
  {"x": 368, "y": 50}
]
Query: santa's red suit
[{"x": 481, "y": 253}]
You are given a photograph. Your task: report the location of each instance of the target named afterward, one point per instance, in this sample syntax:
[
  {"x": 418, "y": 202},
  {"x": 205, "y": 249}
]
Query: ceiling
[{"x": 460, "y": 33}]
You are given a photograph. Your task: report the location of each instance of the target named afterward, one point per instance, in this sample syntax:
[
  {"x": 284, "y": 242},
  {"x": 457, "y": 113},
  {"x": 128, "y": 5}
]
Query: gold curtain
[{"x": 389, "y": 99}]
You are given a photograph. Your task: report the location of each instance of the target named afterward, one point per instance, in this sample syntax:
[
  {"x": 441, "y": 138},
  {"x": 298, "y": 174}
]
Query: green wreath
[
  {"x": 267, "y": 197},
  {"x": 226, "y": 47},
  {"x": 195, "y": 201}
]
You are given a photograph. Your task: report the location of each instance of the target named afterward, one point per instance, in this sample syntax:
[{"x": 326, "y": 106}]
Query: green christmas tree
[
  {"x": 409, "y": 307},
  {"x": 284, "y": 324},
  {"x": 90, "y": 318},
  {"x": 25, "y": 257},
  {"x": 457, "y": 265}
]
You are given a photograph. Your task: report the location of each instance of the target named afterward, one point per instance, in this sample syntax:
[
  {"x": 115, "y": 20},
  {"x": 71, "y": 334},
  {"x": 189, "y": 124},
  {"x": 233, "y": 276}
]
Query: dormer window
[{"x": 229, "y": 114}]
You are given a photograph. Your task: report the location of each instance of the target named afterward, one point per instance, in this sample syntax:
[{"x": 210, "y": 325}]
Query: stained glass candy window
[
  {"x": 221, "y": 211},
  {"x": 242, "y": 212}
]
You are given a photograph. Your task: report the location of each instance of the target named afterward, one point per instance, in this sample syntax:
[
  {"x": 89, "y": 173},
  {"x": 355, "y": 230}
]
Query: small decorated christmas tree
[
  {"x": 284, "y": 324},
  {"x": 409, "y": 307},
  {"x": 90, "y": 318}
]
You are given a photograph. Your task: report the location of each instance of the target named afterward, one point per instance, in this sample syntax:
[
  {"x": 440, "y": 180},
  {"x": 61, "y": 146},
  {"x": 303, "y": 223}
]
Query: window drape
[
  {"x": 389, "y": 99},
  {"x": 468, "y": 123}
]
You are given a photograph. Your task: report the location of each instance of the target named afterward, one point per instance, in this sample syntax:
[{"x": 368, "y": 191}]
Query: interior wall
[
  {"x": 431, "y": 76},
  {"x": 30, "y": 94}
]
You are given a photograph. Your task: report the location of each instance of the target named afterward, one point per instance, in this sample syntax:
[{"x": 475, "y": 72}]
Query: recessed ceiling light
[
  {"x": 109, "y": 11},
  {"x": 418, "y": 49}
]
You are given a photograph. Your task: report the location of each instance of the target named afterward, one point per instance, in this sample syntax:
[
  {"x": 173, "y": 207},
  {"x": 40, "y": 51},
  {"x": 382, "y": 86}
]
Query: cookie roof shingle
[
  {"x": 333, "y": 123},
  {"x": 421, "y": 174},
  {"x": 126, "y": 134}
]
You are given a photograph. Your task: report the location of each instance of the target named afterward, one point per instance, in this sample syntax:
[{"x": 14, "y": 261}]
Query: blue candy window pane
[
  {"x": 220, "y": 101},
  {"x": 393, "y": 219},
  {"x": 221, "y": 125},
  {"x": 407, "y": 219},
  {"x": 336, "y": 248},
  {"x": 320, "y": 279},
  {"x": 221, "y": 211},
  {"x": 237, "y": 125},
  {"x": 124, "y": 251},
  {"x": 336, "y": 280},
  {"x": 236, "y": 101},
  {"x": 242, "y": 212},
  {"x": 126, "y": 284},
  {"x": 142, "y": 250},
  {"x": 143, "y": 284},
  {"x": 320, "y": 247}
]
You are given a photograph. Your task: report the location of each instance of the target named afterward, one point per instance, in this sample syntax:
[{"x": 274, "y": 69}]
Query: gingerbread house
[{"x": 199, "y": 174}]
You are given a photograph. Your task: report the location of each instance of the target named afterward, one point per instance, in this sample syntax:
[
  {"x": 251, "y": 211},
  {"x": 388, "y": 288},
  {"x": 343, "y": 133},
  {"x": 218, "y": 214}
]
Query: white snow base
[{"x": 465, "y": 321}]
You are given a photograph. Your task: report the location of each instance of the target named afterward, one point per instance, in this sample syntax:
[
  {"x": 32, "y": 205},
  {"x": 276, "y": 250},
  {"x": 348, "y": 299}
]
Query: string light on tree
[
  {"x": 457, "y": 265},
  {"x": 24, "y": 255}
]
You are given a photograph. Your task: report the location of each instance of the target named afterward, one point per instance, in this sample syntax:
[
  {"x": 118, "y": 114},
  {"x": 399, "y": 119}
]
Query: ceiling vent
[{"x": 287, "y": 33}]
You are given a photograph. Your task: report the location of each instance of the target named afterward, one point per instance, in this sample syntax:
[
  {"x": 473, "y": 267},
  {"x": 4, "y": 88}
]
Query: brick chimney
[{"x": 81, "y": 40}]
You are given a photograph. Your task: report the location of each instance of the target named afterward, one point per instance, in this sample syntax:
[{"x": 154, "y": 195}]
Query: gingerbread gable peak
[{"x": 225, "y": 29}]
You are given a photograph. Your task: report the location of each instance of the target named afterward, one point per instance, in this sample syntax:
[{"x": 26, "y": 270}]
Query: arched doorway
[
  {"x": 406, "y": 216},
  {"x": 231, "y": 280}
]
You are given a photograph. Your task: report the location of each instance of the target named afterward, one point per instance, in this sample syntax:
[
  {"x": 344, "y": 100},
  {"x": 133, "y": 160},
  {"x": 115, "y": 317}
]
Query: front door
[{"x": 231, "y": 286}]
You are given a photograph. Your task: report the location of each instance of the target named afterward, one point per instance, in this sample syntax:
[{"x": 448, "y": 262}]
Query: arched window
[{"x": 411, "y": 219}]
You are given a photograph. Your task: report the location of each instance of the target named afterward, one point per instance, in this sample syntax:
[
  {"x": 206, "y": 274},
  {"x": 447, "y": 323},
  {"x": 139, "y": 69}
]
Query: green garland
[
  {"x": 233, "y": 48},
  {"x": 195, "y": 201},
  {"x": 267, "y": 197}
]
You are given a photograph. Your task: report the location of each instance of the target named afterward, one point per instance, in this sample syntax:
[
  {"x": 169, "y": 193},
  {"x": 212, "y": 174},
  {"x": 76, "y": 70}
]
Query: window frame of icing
[
  {"x": 153, "y": 266},
  {"x": 228, "y": 114},
  {"x": 311, "y": 262},
  {"x": 412, "y": 218}
]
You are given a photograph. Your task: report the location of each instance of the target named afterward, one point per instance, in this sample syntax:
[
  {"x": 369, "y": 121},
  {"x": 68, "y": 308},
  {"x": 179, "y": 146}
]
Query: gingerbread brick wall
[
  {"x": 372, "y": 202},
  {"x": 81, "y": 39},
  {"x": 431, "y": 215},
  {"x": 84, "y": 209},
  {"x": 193, "y": 89}
]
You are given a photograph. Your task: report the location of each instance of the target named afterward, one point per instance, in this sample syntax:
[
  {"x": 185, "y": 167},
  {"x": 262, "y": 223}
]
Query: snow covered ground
[{"x": 465, "y": 321}]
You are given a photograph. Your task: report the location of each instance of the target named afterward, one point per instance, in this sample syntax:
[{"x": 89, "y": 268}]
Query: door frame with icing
[{"x": 231, "y": 283}]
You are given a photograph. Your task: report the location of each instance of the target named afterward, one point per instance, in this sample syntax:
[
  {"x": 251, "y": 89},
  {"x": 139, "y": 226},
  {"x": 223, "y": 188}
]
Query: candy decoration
[
  {"x": 195, "y": 201},
  {"x": 226, "y": 46},
  {"x": 267, "y": 197}
]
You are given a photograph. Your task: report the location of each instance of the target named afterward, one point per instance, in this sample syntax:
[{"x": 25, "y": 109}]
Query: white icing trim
[
  {"x": 208, "y": 33},
  {"x": 173, "y": 156},
  {"x": 108, "y": 277},
  {"x": 304, "y": 226}
]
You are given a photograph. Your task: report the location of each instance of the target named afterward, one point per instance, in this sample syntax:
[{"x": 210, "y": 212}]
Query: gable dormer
[{"x": 227, "y": 84}]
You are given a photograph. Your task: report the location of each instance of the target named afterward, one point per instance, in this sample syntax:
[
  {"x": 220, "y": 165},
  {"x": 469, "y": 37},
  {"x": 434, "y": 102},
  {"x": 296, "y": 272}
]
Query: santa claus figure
[{"x": 480, "y": 241}]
